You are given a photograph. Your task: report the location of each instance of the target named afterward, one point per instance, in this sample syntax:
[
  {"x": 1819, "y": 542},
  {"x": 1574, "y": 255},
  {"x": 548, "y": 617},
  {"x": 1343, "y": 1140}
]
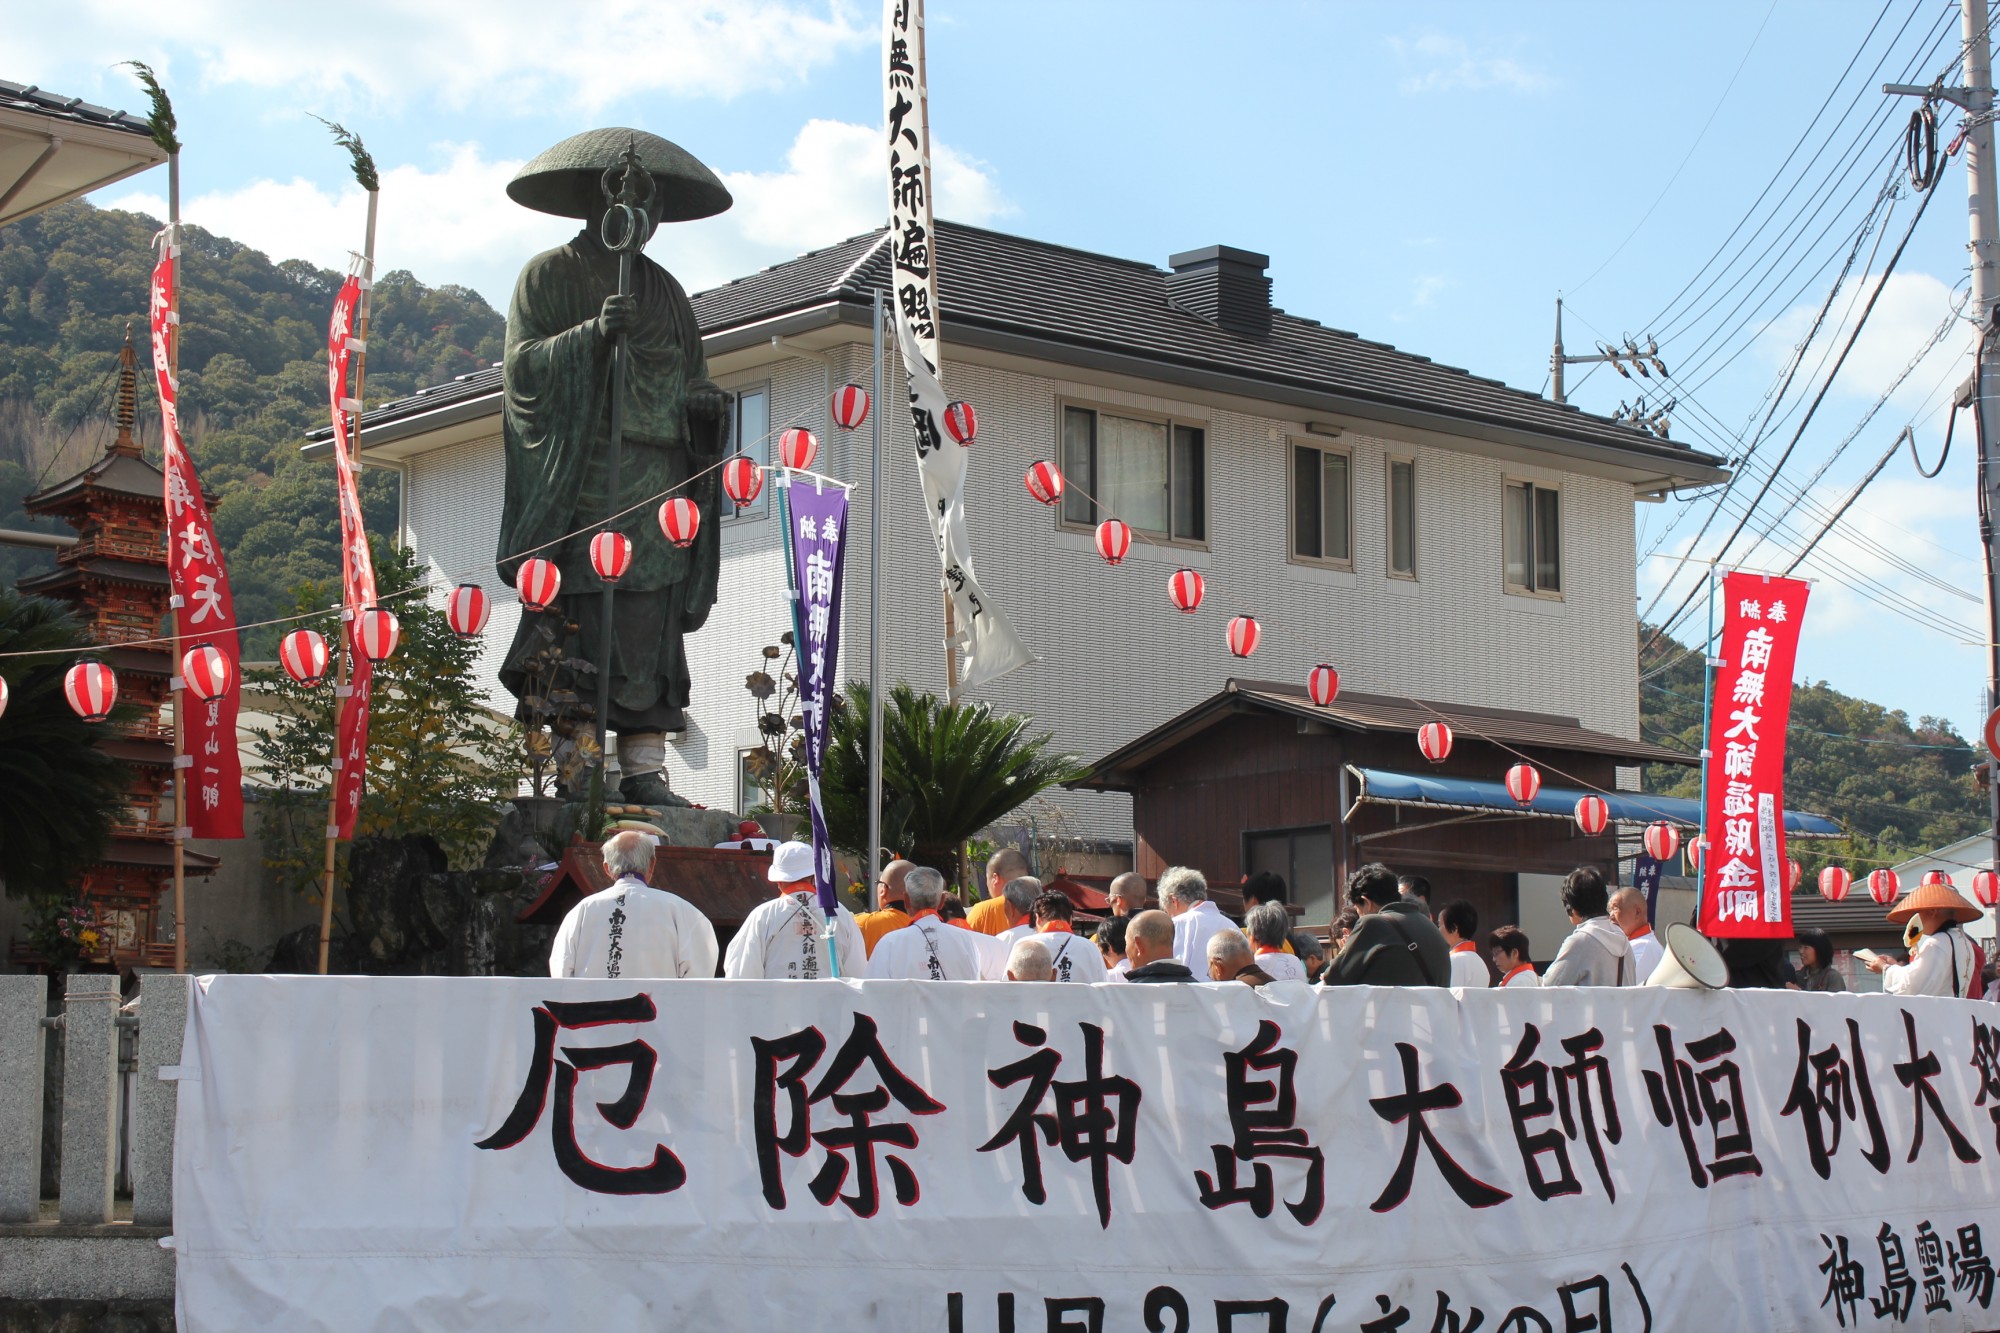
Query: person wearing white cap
[
  {"x": 632, "y": 929},
  {"x": 784, "y": 939},
  {"x": 929, "y": 950}
]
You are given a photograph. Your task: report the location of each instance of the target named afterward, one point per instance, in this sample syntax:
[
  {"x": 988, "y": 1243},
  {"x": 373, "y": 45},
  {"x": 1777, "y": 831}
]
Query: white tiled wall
[{"x": 1116, "y": 657}]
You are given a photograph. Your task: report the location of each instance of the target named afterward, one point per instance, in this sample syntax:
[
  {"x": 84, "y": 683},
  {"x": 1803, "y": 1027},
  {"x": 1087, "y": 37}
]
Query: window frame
[
  {"x": 1173, "y": 425},
  {"x": 1531, "y": 588},
  {"x": 760, "y": 508},
  {"x": 1323, "y": 446},
  {"x": 1390, "y": 463}
]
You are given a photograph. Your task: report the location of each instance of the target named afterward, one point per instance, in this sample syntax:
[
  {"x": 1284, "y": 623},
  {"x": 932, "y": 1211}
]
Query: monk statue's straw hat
[
  {"x": 567, "y": 180},
  {"x": 1927, "y": 896}
]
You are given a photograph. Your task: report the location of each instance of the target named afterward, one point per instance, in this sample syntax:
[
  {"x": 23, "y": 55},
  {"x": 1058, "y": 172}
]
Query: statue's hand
[
  {"x": 620, "y": 313},
  {"x": 707, "y": 404}
]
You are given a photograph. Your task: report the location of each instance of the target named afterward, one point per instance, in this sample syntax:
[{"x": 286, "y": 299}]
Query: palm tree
[
  {"x": 948, "y": 771},
  {"x": 61, "y": 789}
]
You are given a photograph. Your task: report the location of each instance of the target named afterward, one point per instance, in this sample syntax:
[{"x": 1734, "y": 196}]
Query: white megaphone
[{"x": 1689, "y": 962}]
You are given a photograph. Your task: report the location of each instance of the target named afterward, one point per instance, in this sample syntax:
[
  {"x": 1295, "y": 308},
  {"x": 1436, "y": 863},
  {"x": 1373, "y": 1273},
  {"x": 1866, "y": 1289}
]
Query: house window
[
  {"x": 749, "y": 792},
  {"x": 1322, "y": 505},
  {"x": 1152, "y": 474},
  {"x": 752, "y": 430},
  {"x": 1532, "y": 536},
  {"x": 1402, "y": 518},
  {"x": 1304, "y": 856}
]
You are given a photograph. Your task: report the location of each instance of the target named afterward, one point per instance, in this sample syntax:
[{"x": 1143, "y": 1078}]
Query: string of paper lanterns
[
  {"x": 1244, "y": 635},
  {"x": 92, "y": 689},
  {"x": 1834, "y": 882},
  {"x": 1524, "y": 782},
  {"x": 1434, "y": 741},
  {"x": 743, "y": 480},
  {"x": 466, "y": 610},
  {"x": 1884, "y": 886},
  {"x": 1593, "y": 815},
  {"x": 1114, "y": 539}
]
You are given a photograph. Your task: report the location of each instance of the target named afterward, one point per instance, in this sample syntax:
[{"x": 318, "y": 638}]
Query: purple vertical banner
[{"x": 818, "y": 541}]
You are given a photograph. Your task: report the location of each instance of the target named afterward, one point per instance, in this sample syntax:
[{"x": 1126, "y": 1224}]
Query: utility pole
[
  {"x": 1645, "y": 360},
  {"x": 1975, "y": 98}
]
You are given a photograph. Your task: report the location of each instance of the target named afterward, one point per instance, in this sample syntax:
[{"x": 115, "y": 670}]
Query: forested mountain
[
  {"x": 253, "y": 381},
  {"x": 1900, "y": 788}
]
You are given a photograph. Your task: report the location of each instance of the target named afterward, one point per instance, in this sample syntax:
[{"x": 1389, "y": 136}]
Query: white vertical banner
[{"x": 988, "y": 646}]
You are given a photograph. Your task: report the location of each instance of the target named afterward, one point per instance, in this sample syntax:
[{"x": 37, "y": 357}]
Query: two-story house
[{"x": 1428, "y": 532}]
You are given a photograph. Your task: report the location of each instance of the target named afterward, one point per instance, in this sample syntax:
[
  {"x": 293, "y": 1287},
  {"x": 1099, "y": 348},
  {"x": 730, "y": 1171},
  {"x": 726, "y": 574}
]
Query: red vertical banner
[
  {"x": 357, "y": 570},
  {"x": 204, "y": 611},
  {"x": 1745, "y": 889}
]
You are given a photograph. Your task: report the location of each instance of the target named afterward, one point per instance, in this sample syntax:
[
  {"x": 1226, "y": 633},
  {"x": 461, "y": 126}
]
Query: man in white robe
[
  {"x": 1072, "y": 957},
  {"x": 784, "y": 939},
  {"x": 632, "y": 929},
  {"x": 929, "y": 948},
  {"x": 1184, "y": 894}
]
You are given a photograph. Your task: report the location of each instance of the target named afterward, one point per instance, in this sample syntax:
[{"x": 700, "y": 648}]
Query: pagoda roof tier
[
  {"x": 154, "y": 854},
  {"x": 65, "y": 578},
  {"x": 116, "y": 473},
  {"x": 142, "y": 750}
]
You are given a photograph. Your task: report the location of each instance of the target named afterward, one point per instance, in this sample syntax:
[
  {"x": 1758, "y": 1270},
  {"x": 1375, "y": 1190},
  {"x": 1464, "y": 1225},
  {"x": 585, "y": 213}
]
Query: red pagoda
[{"x": 115, "y": 577}]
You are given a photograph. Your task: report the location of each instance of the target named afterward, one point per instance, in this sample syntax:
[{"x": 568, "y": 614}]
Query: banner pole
[
  {"x": 343, "y": 634},
  {"x": 875, "y": 617},
  {"x": 183, "y": 764},
  {"x": 1707, "y": 755}
]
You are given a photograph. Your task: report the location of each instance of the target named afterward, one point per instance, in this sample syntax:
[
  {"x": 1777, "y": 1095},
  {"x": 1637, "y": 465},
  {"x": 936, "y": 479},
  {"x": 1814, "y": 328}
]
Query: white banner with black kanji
[{"x": 360, "y": 1153}]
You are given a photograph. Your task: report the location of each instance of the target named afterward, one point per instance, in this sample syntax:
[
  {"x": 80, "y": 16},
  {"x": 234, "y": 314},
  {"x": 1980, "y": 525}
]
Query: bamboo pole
[
  {"x": 183, "y": 762},
  {"x": 343, "y": 639}
]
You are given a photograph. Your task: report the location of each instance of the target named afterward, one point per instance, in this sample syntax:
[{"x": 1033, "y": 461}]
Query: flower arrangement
[{"x": 69, "y": 932}]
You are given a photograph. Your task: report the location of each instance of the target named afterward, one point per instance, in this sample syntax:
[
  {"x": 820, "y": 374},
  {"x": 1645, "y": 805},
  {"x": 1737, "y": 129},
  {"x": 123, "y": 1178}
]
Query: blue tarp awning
[{"x": 1387, "y": 787}]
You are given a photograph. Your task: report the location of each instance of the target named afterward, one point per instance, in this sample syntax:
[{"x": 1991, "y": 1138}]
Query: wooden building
[{"x": 1259, "y": 778}]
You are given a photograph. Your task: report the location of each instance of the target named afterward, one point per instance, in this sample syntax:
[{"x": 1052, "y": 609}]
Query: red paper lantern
[
  {"x": 1186, "y": 588},
  {"x": 1834, "y": 881},
  {"x": 466, "y": 610},
  {"x": 92, "y": 689},
  {"x": 1592, "y": 815},
  {"x": 1662, "y": 840},
  {"x": 377, "y": 630},
  {"x": 1938, "y": 878},
  {"x": 797, "y": 448},
  {"x": 1794, "y": 872},
  {"x": 850, "y": 406},
  {"x": 1114, "y": 539},
  {"x": 1434, "y": 741},
  {"x": 680, "y": 520},
  {"x": 207, "y": 671},
  {"x": 3, "y": 696},
  {"x": 1044, "y": 481},
  {"x": 742, "y": 480},
  {"x": 611, "y": 555},
  {"x": 1884, "y": 886},
  {"x": 537, "y": 584},
  {"x": 1244, "y": 634},
  {"x": 1322, "y": 685},
  {"x": 1985, "y": 884},
  {"x": 1523, "y": 781},
  {"x": 961, "y": 422},
  {"x": 303, "y": 654}
]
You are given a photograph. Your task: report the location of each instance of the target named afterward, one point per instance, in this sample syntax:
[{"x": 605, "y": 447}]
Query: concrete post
[
  {"x": 23, "y": 1003},
  {"x": 163, "y": 1007},
  {"x": 90, "y": 1098}
]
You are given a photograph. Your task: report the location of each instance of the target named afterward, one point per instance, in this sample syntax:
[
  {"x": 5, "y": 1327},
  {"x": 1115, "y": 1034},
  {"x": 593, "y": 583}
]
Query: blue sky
[{"x": 1430, "y": 175}]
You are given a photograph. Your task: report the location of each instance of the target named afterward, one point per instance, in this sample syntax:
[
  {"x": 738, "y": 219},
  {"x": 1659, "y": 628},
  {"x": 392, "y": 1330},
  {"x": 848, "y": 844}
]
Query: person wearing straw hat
[
  {"x": 1942, "y": 963},
  {"x": 784, "y": 939}
]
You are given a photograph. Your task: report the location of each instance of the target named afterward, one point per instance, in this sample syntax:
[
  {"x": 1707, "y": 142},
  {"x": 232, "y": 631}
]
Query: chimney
[{"x": 1224, "y": 286}]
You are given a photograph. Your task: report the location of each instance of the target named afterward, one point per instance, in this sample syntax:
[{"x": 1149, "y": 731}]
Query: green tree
[
  {"x": 439, "y": 761},
  {"x": 948, "y": 771},
  {"x": 61, "y": 790},
  {"x": 253, "y": 382}
]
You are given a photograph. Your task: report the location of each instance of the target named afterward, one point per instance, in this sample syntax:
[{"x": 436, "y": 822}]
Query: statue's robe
[{"x": 557, "y": 425}]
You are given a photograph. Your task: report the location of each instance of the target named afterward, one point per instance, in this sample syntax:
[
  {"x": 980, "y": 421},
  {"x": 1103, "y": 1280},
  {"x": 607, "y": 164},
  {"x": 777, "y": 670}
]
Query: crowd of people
[{"x": 1387, "y": 934}]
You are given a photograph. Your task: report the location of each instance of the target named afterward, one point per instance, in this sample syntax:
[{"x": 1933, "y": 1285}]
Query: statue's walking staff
[{"x": 628, "y": 225}]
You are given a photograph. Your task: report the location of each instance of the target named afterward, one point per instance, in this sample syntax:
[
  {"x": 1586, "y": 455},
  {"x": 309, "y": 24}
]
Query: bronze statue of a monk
[{"x": 562, "y": 325}]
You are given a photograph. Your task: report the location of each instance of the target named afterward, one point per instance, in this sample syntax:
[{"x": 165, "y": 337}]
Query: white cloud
[
  {"x": 1439, "y": 63},
  {"x": 1905, "y": 316},
  {"x": 508, "y": 57},
  {"x": 455, "y": 224}
]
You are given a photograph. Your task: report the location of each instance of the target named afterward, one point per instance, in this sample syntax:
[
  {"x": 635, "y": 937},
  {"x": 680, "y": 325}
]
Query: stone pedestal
[{"x": 90, "y": 1100}]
